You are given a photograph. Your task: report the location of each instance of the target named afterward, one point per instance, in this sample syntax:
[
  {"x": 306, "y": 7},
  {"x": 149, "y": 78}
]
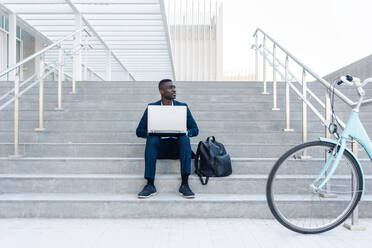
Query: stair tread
[
  {"x": 161, "y": 197},
  {"x": 159, "y": 177},
  {"x": 119, "y": 158},
  {"x": 124, "y": 197},
  {"x": 120, "y": 176}
]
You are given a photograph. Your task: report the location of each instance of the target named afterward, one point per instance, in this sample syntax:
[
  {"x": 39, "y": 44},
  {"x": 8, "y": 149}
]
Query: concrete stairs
[{"x": 89, "y": 163}]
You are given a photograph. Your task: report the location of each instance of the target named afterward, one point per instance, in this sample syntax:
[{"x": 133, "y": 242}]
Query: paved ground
[{"x": 173, "y": 233}]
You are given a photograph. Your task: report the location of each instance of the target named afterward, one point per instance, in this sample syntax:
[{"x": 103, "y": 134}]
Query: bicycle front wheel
[{"x": 294, "y": 202}]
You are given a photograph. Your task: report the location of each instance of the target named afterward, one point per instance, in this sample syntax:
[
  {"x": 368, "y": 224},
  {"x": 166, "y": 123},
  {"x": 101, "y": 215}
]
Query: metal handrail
[
  {"x": 305, "y": 102},
  {"x": 305, "y": 69},
  {"x": 87, "y": 24},
  {"x": 45, "y": 69},
  {"x": 316, "y": 76},
  {"x": 12, "y": 90},
  {"x": 297, "y": 80},
  {"x": 298, "y": 93},
  {"x": 11, "y": 100},
  {"x": 41, "y": 52},
  {"x": 73, "y": 52},
  {"x": 95, "y": 73},
  {"x": 53, "y": 66},
  {"x": 50, "y": 67}
]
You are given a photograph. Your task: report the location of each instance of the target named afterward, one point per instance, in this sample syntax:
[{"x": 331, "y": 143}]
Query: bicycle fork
[{"x": 332, "y": 162}]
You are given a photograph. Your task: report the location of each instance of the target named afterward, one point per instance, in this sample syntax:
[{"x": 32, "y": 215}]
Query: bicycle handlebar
[
  {"x": 366, "y": 81},
  {"x": 353, "y": 81}
]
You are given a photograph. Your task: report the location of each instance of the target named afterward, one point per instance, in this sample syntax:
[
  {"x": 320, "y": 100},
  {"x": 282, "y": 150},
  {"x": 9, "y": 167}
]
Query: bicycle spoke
[{"x": 302, "y": 208}]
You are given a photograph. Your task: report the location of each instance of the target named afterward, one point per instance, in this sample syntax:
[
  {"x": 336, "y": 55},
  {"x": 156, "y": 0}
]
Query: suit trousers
[{"x": 171, "y": 148}]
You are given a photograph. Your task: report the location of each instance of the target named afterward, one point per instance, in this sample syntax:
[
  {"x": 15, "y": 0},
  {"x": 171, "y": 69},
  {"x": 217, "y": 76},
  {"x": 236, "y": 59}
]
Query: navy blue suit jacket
[{"x": 192, "y": 128}]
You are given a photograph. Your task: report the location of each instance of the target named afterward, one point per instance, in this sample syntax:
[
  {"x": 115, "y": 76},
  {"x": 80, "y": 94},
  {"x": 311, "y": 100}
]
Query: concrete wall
[{"x": 361, "y": 69}]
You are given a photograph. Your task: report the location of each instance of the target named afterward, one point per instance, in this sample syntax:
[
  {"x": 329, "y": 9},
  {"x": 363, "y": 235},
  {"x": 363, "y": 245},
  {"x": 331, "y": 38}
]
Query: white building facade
[{"x": 195, "y": 28}]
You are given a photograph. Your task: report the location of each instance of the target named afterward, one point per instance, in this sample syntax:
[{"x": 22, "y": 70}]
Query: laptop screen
[{"x": 166, "y": 119}]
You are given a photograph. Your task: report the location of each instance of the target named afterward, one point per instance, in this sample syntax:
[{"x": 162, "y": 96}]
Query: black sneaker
[
  {"x": 148, "y": 190},
  {"x": 186, "y": 192}
]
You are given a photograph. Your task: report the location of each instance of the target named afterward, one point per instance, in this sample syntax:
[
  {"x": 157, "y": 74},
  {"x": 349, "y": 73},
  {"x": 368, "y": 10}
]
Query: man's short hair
[{"x": 163, "y": 82}]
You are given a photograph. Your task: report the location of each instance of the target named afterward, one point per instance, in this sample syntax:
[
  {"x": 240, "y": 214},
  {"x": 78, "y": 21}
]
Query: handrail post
[
  {"x": 41, "y": 96},
  {"x": 108, "y": 65},
  {"x": 74, "y": 65},
  {"x": 264, "y": 65},
  {"x": 60, "y": 78},
  {"x": 275, "y": 102},
  {"x": 16, "y": 118},
  {"x": 354, "y": 218},
  {"x": 287, "y": 99},
  {"x": 86, "y": 58},
  {"x": 327, "y": 115},
  {"x": 304, "y": 107},
  {"x": 256, "y": 59}
]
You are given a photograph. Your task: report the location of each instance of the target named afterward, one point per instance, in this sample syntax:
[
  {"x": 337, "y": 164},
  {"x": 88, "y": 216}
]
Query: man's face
[{"x": 168, "y": 91}]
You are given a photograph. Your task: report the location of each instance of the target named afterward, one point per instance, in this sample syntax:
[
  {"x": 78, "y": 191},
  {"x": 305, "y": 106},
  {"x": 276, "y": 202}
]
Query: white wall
[{"x": 195, "y": 28}]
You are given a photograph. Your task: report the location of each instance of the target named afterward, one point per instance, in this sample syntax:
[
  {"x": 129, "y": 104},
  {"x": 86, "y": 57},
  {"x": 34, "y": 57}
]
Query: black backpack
[{"x": 214, "y": 160}]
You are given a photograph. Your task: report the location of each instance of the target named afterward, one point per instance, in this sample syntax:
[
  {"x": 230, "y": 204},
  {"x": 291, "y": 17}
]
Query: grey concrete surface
[
  {"x": 361, "y": 68},
  {"x": 170, "y": 233},
  {"x": 89, "y": 163}
]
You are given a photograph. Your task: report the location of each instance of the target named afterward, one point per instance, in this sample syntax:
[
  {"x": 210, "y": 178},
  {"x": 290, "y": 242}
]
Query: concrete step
[
  {"x": 153, "y": 90},
  {"x": 127, "y": 205},
  {"x": 130, "y": 150},
  {"x": 133, "y": 166},
  {"x": 250, "y": 126},
  {"x": 243, "y": 93},
  {"x": 97, "y": 175},
  {"x": 124, "y": 184},
  {"x": 71, "y": 114},
  {"x": 107, "y": 136},
  {"x": 141, "y": 106},
  {"x": 132, "y": 184},
  {"x": 180, "y": 84},
  {"x": 51, "y": 97},
  {"x": 126, "y": 166},
  {"x": 191, "y": 91},
  {"x": 120, "y": 98},
  {"x": 135, "y": 150},
  {"x": 205, "y": 130},
  {"x": 181, "y": 91},
  {"x": 99, "y": 106}
]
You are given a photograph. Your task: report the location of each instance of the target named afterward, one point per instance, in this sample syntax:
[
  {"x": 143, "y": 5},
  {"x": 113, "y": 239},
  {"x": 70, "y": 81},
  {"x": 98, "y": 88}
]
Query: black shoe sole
[
  {"x": 187, "y": 196},
  {"x": 146, "y": 196}
]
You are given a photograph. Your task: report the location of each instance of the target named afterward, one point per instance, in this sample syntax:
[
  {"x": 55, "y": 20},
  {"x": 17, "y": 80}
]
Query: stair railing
[
  {"x": 269, "y": 56},
  {"x": 290, "y": 78},
  {"x": 44, "y": 71}
]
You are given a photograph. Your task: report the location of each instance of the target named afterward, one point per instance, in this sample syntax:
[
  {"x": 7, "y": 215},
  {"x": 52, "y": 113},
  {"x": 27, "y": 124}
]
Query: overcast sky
[{"x": 324, "y": 34}]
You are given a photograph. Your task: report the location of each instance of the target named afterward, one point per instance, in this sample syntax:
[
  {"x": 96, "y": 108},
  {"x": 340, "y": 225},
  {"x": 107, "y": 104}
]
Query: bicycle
[{"x": 315, "y": 186}]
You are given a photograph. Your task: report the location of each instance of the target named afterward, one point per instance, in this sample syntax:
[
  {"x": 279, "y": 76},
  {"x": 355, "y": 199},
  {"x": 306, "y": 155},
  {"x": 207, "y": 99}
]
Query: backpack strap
[
  {"x": 196, "y": 162},
  {"x": 201, "y": 180}
]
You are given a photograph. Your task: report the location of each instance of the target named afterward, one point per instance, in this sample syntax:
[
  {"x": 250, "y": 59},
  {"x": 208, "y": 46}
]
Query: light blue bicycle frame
[{"x": 354, "y": 129}]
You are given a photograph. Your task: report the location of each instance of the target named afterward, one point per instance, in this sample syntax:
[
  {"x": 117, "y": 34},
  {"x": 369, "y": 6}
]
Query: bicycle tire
[{"x": 274, "y": 204}]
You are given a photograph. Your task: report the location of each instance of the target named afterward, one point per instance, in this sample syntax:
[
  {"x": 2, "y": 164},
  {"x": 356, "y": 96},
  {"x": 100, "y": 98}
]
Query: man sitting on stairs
[{"x": 167, "y": 147}]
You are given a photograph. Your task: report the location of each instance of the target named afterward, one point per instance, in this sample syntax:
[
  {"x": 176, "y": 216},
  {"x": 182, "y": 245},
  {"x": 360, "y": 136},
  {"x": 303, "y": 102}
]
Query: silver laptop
[{"x": 166, "y": 120}]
